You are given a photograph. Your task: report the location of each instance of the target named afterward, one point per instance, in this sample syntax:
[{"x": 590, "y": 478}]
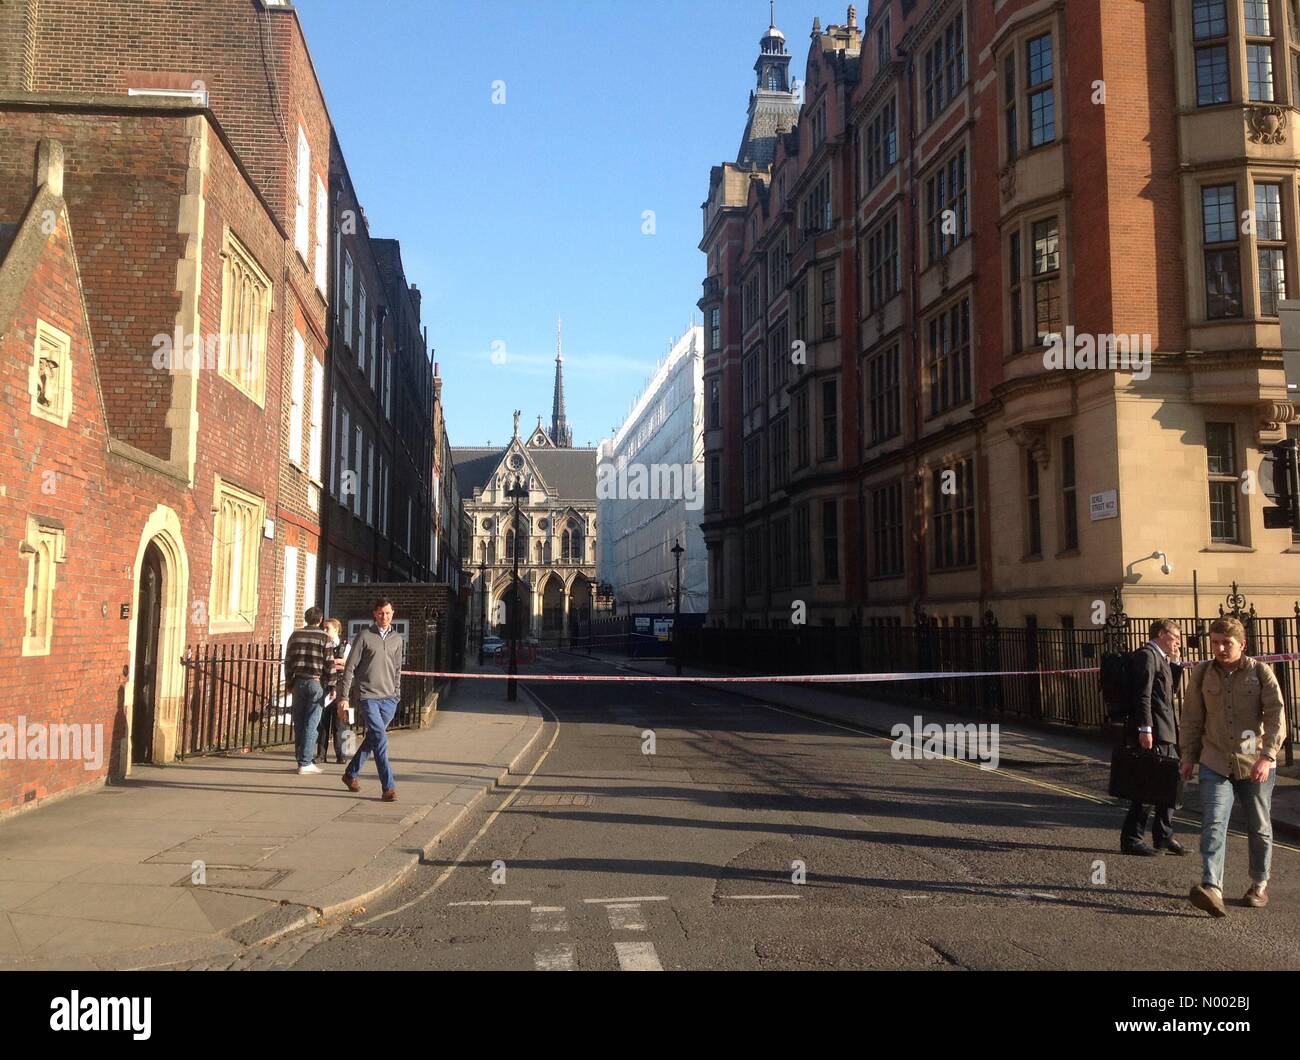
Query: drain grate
[{"x": 547, "y": 799}]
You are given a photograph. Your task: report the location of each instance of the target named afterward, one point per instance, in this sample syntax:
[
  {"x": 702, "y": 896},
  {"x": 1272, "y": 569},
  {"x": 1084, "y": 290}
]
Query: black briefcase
[{"x": 1144, "y": 776}]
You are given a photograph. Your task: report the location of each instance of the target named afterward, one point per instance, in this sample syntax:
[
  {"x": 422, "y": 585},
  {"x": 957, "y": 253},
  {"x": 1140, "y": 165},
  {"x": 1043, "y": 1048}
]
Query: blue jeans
[
  {"x": 308, "y": 699},
  {"x": 1217, "y": 793},
  {"x": 377, "y": 714}
]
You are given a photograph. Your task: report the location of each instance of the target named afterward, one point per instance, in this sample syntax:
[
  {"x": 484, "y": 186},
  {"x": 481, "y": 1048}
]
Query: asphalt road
[{"x": 608, "y": 857}]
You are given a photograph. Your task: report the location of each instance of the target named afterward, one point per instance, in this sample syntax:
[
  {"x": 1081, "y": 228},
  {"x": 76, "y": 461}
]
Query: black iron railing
[
  {"x": 236, "y": 700},
  {"x": 1031, "y": 664}
]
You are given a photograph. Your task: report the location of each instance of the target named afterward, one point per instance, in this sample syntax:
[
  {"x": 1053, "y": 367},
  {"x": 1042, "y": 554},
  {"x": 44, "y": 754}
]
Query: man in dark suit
[{"x": 1155, "y": 673}]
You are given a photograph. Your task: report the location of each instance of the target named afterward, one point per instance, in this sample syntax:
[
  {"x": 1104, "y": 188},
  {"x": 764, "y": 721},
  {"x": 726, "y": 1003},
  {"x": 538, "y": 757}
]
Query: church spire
[{"x": 561, "y": 434}]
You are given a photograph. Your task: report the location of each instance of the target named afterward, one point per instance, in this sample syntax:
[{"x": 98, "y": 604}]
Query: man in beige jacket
[{"x": 1234, "y": 725}]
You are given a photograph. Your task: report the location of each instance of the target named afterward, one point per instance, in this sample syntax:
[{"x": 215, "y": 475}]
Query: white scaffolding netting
[{"x": 652, "y": 474}]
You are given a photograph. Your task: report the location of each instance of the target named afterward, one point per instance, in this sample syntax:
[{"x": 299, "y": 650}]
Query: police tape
[
  {"x": 928, "y": 675},
  {"x": 777, "y": 678}
]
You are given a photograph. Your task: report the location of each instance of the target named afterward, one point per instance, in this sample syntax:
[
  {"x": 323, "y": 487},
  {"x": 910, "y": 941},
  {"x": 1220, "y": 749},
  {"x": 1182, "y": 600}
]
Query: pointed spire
[{"x": 561, "y": 435}]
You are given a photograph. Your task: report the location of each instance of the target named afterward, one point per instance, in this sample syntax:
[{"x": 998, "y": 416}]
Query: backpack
[{"x": 1117, "y": 684}]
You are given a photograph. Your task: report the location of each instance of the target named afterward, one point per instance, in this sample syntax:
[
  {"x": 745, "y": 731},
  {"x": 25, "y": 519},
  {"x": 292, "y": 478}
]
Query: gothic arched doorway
[{"x": 148, "y": 626}]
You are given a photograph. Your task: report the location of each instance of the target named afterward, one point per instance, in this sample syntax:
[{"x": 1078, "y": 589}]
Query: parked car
[{"x": 493, "y": 647}]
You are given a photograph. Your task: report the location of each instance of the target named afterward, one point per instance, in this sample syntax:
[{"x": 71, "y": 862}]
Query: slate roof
[{"x": 569, "y": 473}]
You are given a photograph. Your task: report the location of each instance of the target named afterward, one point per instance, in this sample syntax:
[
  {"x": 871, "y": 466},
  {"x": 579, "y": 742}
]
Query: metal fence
[
  {"x": 1026, "y": 658},
  {"x": 236, "y": 700}
]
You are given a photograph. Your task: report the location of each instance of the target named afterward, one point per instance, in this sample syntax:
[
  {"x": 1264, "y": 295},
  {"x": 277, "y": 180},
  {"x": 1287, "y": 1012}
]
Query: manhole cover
[{"x": 552, "y": 799}]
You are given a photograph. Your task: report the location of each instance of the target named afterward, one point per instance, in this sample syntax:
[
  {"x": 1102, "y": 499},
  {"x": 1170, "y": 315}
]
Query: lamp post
[
  {"x": 482, "y": 623},
  {"x": 517, "y": 492},
  {"x": 677, "y": 604}
]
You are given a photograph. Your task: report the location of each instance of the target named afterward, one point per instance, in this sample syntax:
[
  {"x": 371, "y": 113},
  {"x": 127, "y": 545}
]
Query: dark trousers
[
  {"x": 1162, "y": 827},
  {"x": 329, "y": 726}
]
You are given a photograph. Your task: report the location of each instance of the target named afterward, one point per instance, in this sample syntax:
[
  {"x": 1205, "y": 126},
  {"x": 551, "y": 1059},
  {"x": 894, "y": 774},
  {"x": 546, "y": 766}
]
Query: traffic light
[{"x": 1280, "y": 477}]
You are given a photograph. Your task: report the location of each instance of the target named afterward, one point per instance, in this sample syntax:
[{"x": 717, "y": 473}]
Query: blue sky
[{"x": 511, "y": 214}]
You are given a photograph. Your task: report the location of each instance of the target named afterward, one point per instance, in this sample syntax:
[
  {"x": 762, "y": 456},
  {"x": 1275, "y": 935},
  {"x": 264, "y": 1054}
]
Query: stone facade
[
  {"x": 886, "y": 425},
  {"x": 555, "y": 534}
]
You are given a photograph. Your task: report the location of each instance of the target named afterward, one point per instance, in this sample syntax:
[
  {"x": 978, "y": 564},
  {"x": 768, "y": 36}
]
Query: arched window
[
  {"x": 510, "y": 543},
  {"x": 564, "y": 545}
]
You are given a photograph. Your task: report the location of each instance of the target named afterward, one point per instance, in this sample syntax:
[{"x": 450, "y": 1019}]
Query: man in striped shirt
[{"x": 307, "y": 660}]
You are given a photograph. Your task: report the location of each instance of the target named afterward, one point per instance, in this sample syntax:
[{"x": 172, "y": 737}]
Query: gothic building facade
[{"x": 553, "y": 530}]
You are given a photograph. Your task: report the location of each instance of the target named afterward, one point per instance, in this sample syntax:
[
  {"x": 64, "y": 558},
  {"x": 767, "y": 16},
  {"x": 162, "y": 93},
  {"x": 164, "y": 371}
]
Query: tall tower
[
  {"x": 561, "y": 432},
  {"x": 773, "y": 105}
]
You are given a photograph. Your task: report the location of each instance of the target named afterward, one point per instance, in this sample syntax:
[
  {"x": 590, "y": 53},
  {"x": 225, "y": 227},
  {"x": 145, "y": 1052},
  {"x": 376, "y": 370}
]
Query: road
[{"x": 605, "y": 857}]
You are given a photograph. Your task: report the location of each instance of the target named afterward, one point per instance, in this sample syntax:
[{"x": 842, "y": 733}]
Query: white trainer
[{"x": 313, "y": 768}]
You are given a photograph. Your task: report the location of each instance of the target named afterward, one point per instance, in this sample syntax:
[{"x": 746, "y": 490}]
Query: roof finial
[
  {"x": 559, "y": 338},
  {"x": 773, "y": 20}
]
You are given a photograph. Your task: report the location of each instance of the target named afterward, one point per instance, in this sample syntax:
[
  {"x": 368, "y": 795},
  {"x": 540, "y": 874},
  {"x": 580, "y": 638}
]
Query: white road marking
[
  {"x": 613, "y": 901},
  {"x": 625, "y": 916},
  {"x": 762, "y": 897},
  {"x": 503, "y": 901},
  {"x": 559, "y": 958},
  {"x": 550, "y": 918},
  {"x": 637, "y": 957}
]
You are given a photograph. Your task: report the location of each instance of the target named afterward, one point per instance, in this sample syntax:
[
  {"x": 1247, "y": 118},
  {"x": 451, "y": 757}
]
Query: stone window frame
[
  {"x": 238, "y": 518},
  {"x": 1236, "y": 42},
  {"x": 1011, "y": 66},
  {"x": 1247, "y": 244},
  {"x": 954, "y": 518},
  {"x": 243, "y": 353},
  {"x": 1023, "y": 288},
  {"x": 54, "y": 346},
  {"x": 45, "y": 545}
]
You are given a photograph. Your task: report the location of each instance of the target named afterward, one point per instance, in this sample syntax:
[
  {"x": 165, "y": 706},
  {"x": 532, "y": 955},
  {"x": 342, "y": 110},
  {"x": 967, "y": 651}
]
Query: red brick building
[
  {"x": 203, "y": 186},
  {"x": 139, "y": 471},
  {"x": 963, "y": 189}
]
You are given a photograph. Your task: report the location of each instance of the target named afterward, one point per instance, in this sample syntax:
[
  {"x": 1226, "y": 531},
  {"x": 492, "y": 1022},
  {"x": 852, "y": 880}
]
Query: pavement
[
  {"x": 207, "y": 858},
  {"x": 1055, "y": 753}
]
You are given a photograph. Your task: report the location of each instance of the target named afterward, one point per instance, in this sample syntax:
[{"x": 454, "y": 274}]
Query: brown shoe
[
  {"x": 1257, "y": 897},
  {"x": 390, "y": 795},
  {"x": 351, "y": 783},
  {"x": 1208, "y": 899}
]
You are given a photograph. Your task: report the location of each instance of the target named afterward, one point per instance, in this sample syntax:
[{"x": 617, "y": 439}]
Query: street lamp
[
  {"x": 482, "y": 623},
  {"x": 517, "y": 492},
  {"x": 677, "y": 604}
]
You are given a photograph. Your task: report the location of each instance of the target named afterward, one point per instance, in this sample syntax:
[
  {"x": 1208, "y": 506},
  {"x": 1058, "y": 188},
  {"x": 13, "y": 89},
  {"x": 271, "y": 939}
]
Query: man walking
[
  {"x": 307, "y": 661},
  {"x": 1155, "y": 672},
  {"x": 375, "y": 667},
  {"x": 1236, "y": 725}
]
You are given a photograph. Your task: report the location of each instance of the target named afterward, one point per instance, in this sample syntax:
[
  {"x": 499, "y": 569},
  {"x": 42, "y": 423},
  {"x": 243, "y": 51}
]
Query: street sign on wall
[{"x": 1104, "y": 505}]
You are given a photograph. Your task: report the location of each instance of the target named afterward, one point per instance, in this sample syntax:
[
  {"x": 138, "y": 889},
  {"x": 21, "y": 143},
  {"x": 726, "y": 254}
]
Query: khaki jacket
[{"x": 1230, "y": 719}]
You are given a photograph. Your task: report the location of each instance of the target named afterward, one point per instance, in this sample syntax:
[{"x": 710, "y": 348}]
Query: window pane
[
  {"x": 1223, "y": 511},
  {"x": 1047, "y": 251},
  {"x": 1211, "y": 75},
  {"x": 1219, "y": 213},
  {"x": 1042, "y": 117},
  {"x": 1259, "y": 71},
  {"x": 1272, "y": 280},
  {"x": 1268, "y": 212},
  {"x": 1040, "y": 60},
  {"x": 1209, "y": 19},
  {"x": 1257, "y": 20},
  {"x": 1219, "y": 448},
  {"x": 1222, "y": 284}
]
